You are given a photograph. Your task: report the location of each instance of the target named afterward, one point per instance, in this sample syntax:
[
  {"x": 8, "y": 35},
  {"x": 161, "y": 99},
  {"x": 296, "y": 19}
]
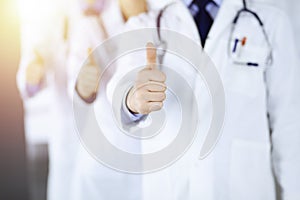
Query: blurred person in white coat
[
  {"x": 42, "y": 71},
  {"x": 259, "y": 146},
  {"x": 94, "y": 180},
  {"x": 102, "y": 19}
]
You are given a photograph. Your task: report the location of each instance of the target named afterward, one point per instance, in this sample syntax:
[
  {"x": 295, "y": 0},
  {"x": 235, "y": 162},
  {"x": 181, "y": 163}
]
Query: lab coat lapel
[{"x": 221, "y": 24}]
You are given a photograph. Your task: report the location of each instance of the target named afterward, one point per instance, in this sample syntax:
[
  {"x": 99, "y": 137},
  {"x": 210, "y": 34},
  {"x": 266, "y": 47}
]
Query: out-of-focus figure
[
  {"x": 42, "y": 80},
  {"x": 102, "y": 20}
]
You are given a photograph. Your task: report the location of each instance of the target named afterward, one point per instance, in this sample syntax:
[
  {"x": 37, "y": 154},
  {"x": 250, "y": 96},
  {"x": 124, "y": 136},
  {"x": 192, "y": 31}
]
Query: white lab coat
[
  {"x": 92, "y": 180},
  {"x": 44, "y": 32},
  {"x": 261, "y": 133},
  {"x": 291, "y": 8}
]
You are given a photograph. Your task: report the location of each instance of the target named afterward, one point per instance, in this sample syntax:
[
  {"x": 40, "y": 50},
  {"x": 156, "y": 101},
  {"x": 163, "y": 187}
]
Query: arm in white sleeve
[
  {"x": 141, "y": 21},
  {"x": 86, "y": 34},
  {"x": 79, "y": 44},
  {"x": 283, "y": 84},
  {"x": 28, "y": 32},
  {"x": 26, "y": 90},
  {"x": 21, "y": 82}
]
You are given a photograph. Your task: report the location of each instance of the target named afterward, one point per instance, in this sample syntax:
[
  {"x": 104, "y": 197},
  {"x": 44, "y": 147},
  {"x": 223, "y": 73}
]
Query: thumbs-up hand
[
  {"x": 130, "y": 8},
  {"x": 148, "y": 92},
  {"x": 88, "y": 80},
  {"x": 35, "y": 71}
]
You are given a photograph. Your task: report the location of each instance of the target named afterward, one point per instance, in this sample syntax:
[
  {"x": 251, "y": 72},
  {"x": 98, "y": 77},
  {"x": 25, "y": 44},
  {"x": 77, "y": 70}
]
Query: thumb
[
  {"x": 38, "y": 58},
  {"x": 151, "y": 56},
  {"x": 91, "y": 56}
]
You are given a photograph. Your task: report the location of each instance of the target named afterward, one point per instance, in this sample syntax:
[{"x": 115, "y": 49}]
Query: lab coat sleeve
[
  {"x": 36, "y": 37},
  {"x": 283, "y": 86},
  {"x": 79, "y": 44},
  {"x": 28, "y": 32},
  {"x": 26, "y": 44},
  {"x": 21, "y": 82},
  {"x": 141, "y": 21}
]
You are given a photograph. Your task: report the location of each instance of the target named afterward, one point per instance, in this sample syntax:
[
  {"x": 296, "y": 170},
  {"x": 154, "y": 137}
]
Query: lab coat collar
[
  {"x": 218, "y": 2},
  {"x": 240, "y": 2},
  {"x": 188, "y": 2},
  {"x": 222, "y": 22}
]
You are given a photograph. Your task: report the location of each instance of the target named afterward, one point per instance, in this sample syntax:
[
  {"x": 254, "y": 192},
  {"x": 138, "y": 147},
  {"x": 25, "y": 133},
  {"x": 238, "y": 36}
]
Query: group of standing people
[{"x": 248, "y": 160}]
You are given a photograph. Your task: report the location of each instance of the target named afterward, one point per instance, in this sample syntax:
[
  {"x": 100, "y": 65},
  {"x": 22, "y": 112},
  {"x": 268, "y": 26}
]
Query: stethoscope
[
  {"x": 162, "y": 45},
  {"x": 231, "y": 51}
]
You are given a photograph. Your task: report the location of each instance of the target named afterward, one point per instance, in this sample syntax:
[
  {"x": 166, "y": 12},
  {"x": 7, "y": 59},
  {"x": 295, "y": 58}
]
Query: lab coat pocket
[
  {"x": 244, "y": 79},
  {"x": 250, "y": 171},
  {"x": 251, "y": 55}
]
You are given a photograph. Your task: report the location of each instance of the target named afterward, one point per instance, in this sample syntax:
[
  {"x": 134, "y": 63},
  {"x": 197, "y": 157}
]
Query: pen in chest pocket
[{"x": 238, "y": 46}]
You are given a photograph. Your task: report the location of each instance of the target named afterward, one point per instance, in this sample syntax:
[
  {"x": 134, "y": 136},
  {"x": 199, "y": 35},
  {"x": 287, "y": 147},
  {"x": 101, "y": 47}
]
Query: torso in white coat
[
  {"x": 258, "y": 99},
  {"x": 92, "y": 180},
  {"x": 45, "y": 33}
]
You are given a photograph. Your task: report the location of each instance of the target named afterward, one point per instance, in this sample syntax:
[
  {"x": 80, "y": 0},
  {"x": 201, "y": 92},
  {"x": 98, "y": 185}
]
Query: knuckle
[{"x": 161, "y": 88}]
